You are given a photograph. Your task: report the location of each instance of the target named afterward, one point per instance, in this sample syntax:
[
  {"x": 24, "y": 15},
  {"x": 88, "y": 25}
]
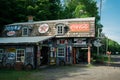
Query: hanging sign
[
  {"x": 97, "y": 43},
  {"x": 80, "y": 27},
  {"x": 80, "y": 41},
  {"x": 43, "y": 28}
]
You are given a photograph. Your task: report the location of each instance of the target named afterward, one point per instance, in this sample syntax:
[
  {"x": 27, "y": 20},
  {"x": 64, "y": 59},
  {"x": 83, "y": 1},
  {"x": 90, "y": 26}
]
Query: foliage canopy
[{"x": 18, "y": 10}]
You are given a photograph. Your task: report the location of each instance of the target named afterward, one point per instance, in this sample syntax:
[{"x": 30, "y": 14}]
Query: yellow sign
[
  {"x": 52, "y": 61},
  {"x": 11, "y": 50}
]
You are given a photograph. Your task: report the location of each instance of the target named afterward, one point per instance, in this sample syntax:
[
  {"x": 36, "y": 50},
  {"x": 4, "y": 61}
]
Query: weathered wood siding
[{"x": 34, "y": 26}]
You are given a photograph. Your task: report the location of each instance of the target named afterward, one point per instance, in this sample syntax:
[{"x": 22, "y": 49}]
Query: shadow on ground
[{"x": 59, "y": 72}]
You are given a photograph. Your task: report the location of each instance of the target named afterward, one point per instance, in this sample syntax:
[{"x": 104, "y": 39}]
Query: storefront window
[
  {"x": 20, "y": 55},
  {"x": 1, "y": 54},
  {"x": 25, "y": 31},
  {"x": 61, "y": 52}
]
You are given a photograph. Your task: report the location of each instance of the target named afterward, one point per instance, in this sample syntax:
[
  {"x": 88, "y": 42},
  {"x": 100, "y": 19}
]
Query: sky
[{"x": 110, "y": 18}]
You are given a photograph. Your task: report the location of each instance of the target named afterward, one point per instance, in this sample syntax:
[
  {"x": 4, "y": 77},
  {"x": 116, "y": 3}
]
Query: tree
[
  {"x": 80, "y": 12},
  {"x": 6, "y": 12},
  {"x": 81, "y": 8},
  {"x": 18, "y": 10},
  {"x": 109, "y": 45},
  {"x": 113, "y": 46},
  {"x": 44, "y": 9},
  {"x": 70, "y": 8}
]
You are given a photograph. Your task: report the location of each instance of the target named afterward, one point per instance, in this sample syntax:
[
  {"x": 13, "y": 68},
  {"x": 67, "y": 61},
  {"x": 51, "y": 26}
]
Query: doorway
[
  {"x": 44, "y": 55},
  {"x": 79, "y": 55}
]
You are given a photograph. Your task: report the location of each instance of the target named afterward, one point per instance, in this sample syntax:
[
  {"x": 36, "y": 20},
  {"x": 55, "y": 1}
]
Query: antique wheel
[
  {"x": 1, "y": 65},
  {"x": 8, "y": 66},
  {"x": 28, "y": 67}
]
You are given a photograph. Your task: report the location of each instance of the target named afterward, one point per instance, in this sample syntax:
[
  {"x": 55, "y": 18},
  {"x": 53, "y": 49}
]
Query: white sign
[
  {"x": 43, "y": 28},
  {"x": 10, "y": 33},
  {"x": 81, "y": 41},
  {"x": 29, "y": 49},
  {"x": 97, "y": 43}
]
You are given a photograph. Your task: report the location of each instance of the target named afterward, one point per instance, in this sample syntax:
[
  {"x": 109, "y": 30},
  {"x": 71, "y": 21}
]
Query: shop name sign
[
  {"x": 81, "y": 41},
  {"x": 43, "y": 28},
  {"x": 12, "y": 28},
  {"x": 80, "y": 27}
]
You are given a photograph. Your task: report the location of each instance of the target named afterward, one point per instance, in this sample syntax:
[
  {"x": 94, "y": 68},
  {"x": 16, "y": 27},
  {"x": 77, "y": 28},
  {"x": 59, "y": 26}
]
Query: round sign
[{"x": 43, "y": 28}]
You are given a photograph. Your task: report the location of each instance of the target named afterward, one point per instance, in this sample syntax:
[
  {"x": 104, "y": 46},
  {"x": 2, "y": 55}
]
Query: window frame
[
  {"x": 59, "y": 52},
  {"x": 25, "y": 33},
  {"x": 17, "y": 60},
  {"x": 1, "y": 50},
  {"x": 60, "y": 29}
]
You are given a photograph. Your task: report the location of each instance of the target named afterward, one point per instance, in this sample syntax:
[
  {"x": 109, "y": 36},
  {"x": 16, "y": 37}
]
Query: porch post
[
  {"x": 38, "y": 55},
  {"x": 74, "y": 56},
  {"x": 89, "y": 53}
]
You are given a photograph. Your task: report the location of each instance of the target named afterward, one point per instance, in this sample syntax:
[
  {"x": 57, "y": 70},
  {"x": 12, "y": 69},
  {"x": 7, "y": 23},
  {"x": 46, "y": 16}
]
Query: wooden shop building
[{"x": 37, "y": 43}]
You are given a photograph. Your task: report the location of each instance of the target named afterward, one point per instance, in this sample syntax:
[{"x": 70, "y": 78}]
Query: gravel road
[{"x": 80, "y": 73}]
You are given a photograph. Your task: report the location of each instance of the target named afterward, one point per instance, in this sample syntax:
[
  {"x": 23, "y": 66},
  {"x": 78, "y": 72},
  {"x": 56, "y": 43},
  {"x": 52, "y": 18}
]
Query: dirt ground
[{"x": 77, "y": 72}]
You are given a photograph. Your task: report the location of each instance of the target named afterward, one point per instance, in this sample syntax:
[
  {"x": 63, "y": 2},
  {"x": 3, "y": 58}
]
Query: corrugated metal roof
[{"x": 24, "y": 39}]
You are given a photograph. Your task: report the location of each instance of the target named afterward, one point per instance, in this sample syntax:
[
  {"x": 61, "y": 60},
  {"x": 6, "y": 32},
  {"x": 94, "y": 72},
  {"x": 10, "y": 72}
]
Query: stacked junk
[{"x": 8, "y": 61}]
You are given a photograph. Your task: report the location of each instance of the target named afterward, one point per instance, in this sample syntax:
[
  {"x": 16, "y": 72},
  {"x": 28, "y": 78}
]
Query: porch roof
[{"x": 24, "y": 39}]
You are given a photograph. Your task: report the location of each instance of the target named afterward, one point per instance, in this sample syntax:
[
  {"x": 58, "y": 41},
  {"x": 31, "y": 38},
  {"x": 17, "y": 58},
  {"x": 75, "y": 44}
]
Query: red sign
[{"x": 80, "y": 27}]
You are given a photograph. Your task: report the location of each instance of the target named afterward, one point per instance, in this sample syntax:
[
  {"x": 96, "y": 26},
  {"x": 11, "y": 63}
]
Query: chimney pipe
[{"x": 30, "y": 18}]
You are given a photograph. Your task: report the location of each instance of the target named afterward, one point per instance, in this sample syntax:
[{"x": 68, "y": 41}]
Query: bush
[{"x": 99, "y": 59}]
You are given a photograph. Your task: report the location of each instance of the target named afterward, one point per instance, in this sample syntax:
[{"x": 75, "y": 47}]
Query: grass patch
[
  {"x": 99, "y": 59},
  {"x": 90, "y": 65},
  {"x": 17, "y": 75}
]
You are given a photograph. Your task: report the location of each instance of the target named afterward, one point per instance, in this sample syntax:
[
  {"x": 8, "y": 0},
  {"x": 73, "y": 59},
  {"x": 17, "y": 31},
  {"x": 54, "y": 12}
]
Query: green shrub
[{"x": 99, "y": 58}]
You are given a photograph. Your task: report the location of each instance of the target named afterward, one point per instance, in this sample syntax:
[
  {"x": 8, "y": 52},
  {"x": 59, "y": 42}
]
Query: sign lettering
[
  {"x": 80, "y": 27},
  {"x": 12, "y": 28}
]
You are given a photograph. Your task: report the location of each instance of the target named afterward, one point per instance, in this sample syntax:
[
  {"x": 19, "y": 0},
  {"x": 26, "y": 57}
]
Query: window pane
[
  {"x": 61, "y": 52},
  {"x": 20, "y": 55},
  {"x": 25, "y": 31},
  {"x": 60, "y": 29}
]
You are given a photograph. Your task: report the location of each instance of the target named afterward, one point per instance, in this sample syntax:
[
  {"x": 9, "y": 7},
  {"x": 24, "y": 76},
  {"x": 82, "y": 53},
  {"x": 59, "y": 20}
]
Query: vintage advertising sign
[
  {"x": 12, "y": 27},
  {"x": 11, "y": 50},
  {"x": 80, "y": 42},
  {"x": 43, "y": 28},
  {"x": 80, "y": 27},
  {"x": 11, "y": 33},
  {"x": 97, "y": 43}
]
